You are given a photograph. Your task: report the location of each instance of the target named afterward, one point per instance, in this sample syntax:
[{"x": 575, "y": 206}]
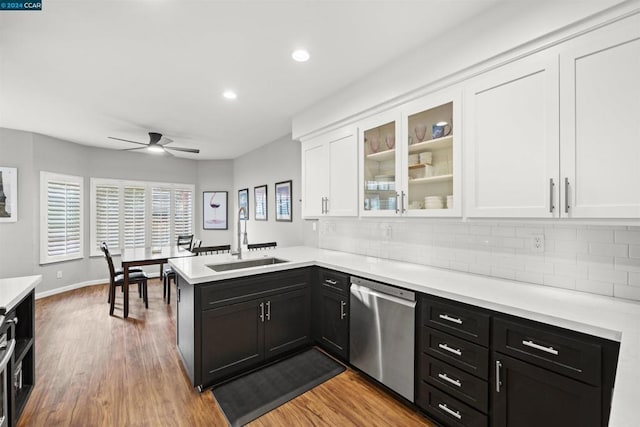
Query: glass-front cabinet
[{"x": 411, "y": 159}]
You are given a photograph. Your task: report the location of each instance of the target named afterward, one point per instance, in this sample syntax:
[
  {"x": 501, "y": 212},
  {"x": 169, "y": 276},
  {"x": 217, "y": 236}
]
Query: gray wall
[{"x": 275, "y": 162}]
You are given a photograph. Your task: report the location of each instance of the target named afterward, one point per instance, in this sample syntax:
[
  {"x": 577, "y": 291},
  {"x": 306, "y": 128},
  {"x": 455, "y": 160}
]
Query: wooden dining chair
[
  {"x": 212, "y": 250},
  {"x": 135, "y": 277},
  {"x": 184, "y": 241},
  {"x": 260, "y": 246}
]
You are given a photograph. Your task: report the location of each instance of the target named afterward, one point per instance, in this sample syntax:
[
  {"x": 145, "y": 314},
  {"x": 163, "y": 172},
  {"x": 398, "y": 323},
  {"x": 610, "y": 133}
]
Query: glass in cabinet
[{"x": 411, "y": 159}]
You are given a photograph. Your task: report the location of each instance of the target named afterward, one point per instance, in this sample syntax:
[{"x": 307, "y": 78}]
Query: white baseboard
[{"x": 79, "y": 285}]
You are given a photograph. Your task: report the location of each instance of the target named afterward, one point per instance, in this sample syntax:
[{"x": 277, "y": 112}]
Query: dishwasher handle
[{"x": 357, "y": 290}]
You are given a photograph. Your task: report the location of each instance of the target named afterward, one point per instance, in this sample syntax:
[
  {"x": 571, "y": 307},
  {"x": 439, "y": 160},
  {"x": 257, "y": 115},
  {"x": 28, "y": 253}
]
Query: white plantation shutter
[
  {"x": 160, "y": 216},
  {"x": 183, "y": 212},
  {"x": 134, "y": 217},
  {"x": 61, "y": 220},
  {"x": 107, "y": 217}
]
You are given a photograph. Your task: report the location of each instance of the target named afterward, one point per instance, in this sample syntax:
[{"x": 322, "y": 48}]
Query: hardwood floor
[{"x": 97, "y": 370}]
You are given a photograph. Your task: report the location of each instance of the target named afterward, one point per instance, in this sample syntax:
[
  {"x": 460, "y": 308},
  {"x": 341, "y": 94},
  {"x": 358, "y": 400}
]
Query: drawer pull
[
  {"x": 446, "y": 409},
  {"x": 451, "y": 319},
  {"x": 450, "y": 380},
  {"x": 549, "y": 350},
  {"x": 455, "y": 351},
  {"x": 331, "y": 282}
]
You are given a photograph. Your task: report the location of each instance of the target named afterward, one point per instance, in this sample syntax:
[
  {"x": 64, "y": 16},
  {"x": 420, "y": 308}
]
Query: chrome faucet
[{"x": 241, "y": 211}]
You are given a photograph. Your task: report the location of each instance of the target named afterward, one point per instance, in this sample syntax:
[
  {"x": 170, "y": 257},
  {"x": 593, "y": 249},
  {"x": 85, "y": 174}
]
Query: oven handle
[{"x": 7, "y": 355}]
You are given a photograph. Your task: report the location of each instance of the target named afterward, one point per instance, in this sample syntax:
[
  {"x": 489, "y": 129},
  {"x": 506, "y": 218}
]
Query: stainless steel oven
[{"x": 7, "y": 346}]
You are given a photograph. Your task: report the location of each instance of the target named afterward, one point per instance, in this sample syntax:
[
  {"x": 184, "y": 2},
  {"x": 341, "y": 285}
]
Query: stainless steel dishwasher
[{"x": 382, "y": 334}]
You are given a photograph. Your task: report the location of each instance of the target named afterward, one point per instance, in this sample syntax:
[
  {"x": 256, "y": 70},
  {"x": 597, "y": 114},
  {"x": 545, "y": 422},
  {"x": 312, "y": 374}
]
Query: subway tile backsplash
[{"x": 602, "y": 260}]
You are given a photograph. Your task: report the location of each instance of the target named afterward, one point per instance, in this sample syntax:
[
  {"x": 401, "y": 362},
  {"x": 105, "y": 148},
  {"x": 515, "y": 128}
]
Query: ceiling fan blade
[
  {"x": 186, "y": 150},
  {"x": 165, "y": 141},
  {"x": 131, "y": 149},
  {"x": 126, "y": 140}
]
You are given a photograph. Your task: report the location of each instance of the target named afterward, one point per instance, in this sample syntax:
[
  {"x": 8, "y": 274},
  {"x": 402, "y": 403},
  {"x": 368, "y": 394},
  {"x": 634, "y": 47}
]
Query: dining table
[{"x": 135, "y": 257}]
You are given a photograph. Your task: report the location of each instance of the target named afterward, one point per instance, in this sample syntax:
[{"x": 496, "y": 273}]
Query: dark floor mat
[{"x": 247, "y": 398}]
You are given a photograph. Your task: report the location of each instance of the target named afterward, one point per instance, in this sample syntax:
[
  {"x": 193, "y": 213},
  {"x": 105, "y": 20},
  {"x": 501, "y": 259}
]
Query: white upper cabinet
[
  {"x": 511, "y": 140},
  {"x": 330, "y": 175},
  {"x": 410, "y": 159},
  {"x": 600, "y": 113}
]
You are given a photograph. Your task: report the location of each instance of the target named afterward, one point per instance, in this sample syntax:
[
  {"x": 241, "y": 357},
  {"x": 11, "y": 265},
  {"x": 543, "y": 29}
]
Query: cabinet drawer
[
  {"x": 461, "y": 385},
  {"x": 550, "y": 348},
  {"x": 457, "y": 320},
  {"x": 447, "y": 409},
  {"x": 462, "y": 354},
  {"x": 234, "y": 291},
  {"x": 334, "y": 280}
]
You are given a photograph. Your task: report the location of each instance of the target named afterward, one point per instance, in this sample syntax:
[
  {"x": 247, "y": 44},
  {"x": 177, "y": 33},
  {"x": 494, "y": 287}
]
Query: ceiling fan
[{"x": 157, "y": 144}]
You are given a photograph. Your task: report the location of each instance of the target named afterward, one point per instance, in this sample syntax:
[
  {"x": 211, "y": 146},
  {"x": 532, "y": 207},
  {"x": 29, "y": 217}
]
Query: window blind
[
  {"x": 61, "y": 218},
  {"x": 160, "y": 216},
  {"x": 107, "y": 216},
  {"x": 183, "y": 212},
  {"x": 134, "y": 217}
]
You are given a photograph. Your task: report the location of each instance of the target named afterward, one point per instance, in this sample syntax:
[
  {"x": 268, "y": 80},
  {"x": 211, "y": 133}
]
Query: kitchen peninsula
[{"x": 602, "y": 317}]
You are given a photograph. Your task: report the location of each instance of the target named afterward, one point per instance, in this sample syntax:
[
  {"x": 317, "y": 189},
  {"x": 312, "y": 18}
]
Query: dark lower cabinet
[
  {"x": 525, "y": 395},
  {"x": 287, "y": 322},
  {"x": 228, "y": 327},
  {"x": 333, "y": 326},
  {"x": 232, "y": 339}
]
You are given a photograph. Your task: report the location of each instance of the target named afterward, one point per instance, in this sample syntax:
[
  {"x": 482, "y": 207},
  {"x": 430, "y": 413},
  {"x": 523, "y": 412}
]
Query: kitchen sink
[{"x": 237, "y": 265}]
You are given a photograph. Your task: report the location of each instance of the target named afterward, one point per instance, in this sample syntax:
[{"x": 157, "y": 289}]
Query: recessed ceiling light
[
  {"x": 156, "y": 148},
  {"x": 300, "y": 55},
  {"x": 229, "y": 94}
]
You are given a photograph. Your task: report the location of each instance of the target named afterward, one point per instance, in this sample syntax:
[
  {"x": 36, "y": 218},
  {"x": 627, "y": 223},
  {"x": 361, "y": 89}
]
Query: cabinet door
[
  {"x": 431, "y": 151},
  {"x": 532, "y": 396},
  {"x": 380, "y": 177},
  {"x": 334, "y": 322},
  {"x": 315, "y": 180},
  {"x": 287, "y": 322},
  {"x": 511, "y": 140},
  {"x": 600, "y": 136},
  {"x": 232, "y": 339},
  {"x": 343, "y": 175}
]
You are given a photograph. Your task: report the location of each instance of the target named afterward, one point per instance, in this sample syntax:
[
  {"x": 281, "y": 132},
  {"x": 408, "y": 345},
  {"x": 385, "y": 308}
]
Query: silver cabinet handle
[
  {"x": 262, "y": 312},
  {"x": 14, "y": 320},
  {"x": 451, "y": 319},
  {"x": 331, "y": 282},
  {"x": 498, "y": 381},
  {"x": 343, "y": 314},
  {"x": 446, "y": 409},
  {"x": 326, "y": 205},
  {"x": 268, "y": 310},
  {"x": 531, "y": 344},
  {"x": 7, "y": 355},
  {"x": 566, "y": 195},
  {"x": 322, "y": 206},
  {"x": 397, "y": 203},
  {"x": 402, "y": 201},
  {"x": 450, "y": 380},
  {"x": 455, "y": 351},
  {"x": 551, "y": 185}
]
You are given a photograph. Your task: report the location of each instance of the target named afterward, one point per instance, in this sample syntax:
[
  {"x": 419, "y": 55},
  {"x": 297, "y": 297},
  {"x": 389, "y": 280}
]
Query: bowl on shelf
[
  {"x": 414, "y": 159},
  {"x": 426, "y": 158}
]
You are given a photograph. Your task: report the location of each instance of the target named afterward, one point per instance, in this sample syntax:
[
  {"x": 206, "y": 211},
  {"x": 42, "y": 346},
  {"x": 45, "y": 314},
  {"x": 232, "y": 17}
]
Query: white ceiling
[{"x": 85, "y": 70}]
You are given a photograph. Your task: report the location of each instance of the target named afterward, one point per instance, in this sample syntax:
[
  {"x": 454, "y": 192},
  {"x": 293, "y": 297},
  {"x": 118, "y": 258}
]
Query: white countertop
[
  {"x": 14, "y": 289},
  {"x": 605, "y": 317}
]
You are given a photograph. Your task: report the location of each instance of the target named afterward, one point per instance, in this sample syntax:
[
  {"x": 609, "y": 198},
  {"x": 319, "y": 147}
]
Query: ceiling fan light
[
  {"x": 155, "y": 148},
  {"x": 300, "y": 55}
]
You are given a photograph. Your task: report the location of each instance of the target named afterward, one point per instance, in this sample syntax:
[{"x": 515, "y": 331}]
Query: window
[
  {"x": 61, "y": 217},
  {"x": 183, "y": 199},
  {"x": 160, "y": 216},
  {"x": 138, "y": 213}
]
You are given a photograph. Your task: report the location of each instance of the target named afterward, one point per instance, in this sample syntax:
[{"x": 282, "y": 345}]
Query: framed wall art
[
  {"x": 260, "y": 197},
  {"x": 215, "y": 210},
  {"x": 243, "y": 202},
  {"x": 283, "y": 201},
  {"x": 8, "y": 194}
]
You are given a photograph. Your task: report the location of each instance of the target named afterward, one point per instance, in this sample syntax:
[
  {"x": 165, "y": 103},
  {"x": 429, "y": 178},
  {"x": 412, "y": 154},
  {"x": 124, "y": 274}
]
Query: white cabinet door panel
[
  {"x": 343, "y": 176},
  {"x": 511, "y": 141},
  {"x": 314, "y": 177},
  {"x": 600, "y": 133}
]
